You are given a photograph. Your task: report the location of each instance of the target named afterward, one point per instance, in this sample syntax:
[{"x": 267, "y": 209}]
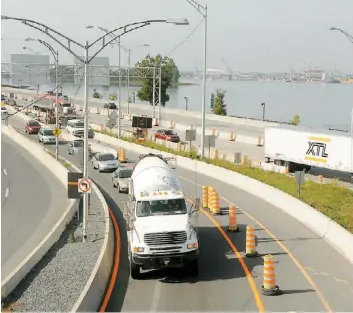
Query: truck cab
[{"x": 162, "y": 228}]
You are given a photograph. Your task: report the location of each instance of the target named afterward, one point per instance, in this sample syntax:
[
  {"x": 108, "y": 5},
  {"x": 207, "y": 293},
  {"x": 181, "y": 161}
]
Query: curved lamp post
[
  {"x": 204, "y": 12},
  {"x": 128, "y": 51},
  {"x": 350, "y": 38},
  {"x": 34, "y": 51},
  {"x": 55, "y": 54},
  {"x": 66, "y": 42}
]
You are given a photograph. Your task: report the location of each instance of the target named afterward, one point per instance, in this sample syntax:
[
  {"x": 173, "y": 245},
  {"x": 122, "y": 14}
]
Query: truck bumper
[{"x": 165, "y": 261}]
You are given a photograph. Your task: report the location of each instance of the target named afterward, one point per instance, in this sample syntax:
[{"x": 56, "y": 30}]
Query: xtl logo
[{"x": 317, "y": 149}]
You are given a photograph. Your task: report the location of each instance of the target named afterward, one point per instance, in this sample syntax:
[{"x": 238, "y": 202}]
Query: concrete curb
[
  {"x": 338, "y": 237},
  {"x": 95, "y": 288},
  {"x": 15, "y": 277}
]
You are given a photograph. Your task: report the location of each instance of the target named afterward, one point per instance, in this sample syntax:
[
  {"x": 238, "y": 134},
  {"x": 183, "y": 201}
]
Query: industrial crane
[{"x": 230, "y": 72}]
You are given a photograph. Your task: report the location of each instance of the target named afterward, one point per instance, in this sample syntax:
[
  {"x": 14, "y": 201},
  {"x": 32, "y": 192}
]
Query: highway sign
[
  {"x": 57, "y": 132},
  {"x": 84, "y": 185},
  {"x": 72, "y": 182},
  {"x": 113, "y": 115},
  {"x": 190, "y": 135}
]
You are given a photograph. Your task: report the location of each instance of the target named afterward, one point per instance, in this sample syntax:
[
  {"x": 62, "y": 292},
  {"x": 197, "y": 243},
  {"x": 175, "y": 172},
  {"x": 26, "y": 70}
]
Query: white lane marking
[
  {"x": 156, "y": 296},
  {"x": 7, "y": 192},
  {"x": 5, "y": 172}
]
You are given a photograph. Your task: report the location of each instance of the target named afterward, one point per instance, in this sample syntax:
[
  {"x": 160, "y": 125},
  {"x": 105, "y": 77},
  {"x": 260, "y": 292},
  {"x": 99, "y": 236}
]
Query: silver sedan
[{"x": 105, "y": 162}]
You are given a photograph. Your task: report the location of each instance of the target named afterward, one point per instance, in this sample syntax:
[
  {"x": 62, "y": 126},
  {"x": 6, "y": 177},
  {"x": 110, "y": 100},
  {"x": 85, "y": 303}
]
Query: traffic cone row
[
  {"x": 205, "y": 197},
  {"x": 122, "y": 155},
  {"x": 210, "y": 201}
]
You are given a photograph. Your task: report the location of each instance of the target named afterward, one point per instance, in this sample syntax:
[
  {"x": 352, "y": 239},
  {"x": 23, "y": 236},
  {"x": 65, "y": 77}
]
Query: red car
[
  {"x": 32, "y": 127},
  {"x": 167, "y": 134}
]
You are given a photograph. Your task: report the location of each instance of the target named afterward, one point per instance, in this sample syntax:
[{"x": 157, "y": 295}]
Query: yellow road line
[
  {"x": 247, "y": 272},
  {"x": 284, "y": 248}
]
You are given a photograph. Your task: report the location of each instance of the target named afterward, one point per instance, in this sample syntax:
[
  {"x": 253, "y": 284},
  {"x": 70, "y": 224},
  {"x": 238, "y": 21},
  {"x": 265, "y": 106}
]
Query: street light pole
[
  {"x": 204, "y": 12},
  {"x": 55, "y": 54},
  {"x": 119, "y": 108},
  {"x": 128, "y": 51},
  {"x": 186, "y": 103},
  {"x": 48, "y": 31},
  {"x": 350, "y": 38},
  {"x": 160, "y": 95},
  {"x": 85, "y": 144},
  {"x": 263, "y": 104},
  {"x": 128, "y": 80}
]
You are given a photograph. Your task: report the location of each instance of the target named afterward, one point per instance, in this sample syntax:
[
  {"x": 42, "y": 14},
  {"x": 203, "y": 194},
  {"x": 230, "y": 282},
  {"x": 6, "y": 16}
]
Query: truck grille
[{"x": 167, "y": 238}]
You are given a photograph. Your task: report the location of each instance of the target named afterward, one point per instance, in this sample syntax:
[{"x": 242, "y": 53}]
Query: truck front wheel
[
  {"x": 193, "y": 268},
  {"x": 134, "y": 270}
]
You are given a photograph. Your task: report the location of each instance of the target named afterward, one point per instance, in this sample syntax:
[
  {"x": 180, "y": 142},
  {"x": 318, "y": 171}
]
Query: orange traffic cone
[
  {"x": 205, "y": 197},
  {"x": 269, "y": 288},
  {"x": 250, "y": 244},
  {"x": 233, "y": 226}
]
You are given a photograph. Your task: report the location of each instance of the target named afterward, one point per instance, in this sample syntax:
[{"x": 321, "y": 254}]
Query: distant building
[
  {"x": 98, "y": 70},
  {"x": 29, "y": 69}
]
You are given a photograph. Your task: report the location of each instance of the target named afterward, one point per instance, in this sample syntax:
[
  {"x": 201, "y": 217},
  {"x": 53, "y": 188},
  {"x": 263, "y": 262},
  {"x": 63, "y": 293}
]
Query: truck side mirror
[{"x": 195, "y": 206}]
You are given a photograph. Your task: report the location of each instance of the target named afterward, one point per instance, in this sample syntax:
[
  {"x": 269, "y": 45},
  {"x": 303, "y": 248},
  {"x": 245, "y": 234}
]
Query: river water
[{"x": 318, "y": 104}]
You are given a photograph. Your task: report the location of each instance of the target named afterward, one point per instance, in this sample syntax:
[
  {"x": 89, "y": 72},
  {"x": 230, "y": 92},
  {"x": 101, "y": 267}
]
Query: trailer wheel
[{"x": 193, "y": 268}]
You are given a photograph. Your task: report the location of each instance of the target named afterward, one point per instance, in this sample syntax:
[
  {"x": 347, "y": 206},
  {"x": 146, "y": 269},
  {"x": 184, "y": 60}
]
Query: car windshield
[
  {"x": 78, "y": 143},
  {"x": 169, "y": 132},
  {"x": 2, "y": 97},
  {"x": 161, "y": 207},
  {"x": 48, "y": 132},
  {"x": 106, "y": 157},
  {"x": 125, "y": 173},
  {"x": 33, "y": 123},
  {"x": 66, "y": 105}
]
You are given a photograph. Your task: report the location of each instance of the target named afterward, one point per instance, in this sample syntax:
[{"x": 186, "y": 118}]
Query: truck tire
[
  {"x": 134, "y": 270},
  {"x": 193, "y": 268}
]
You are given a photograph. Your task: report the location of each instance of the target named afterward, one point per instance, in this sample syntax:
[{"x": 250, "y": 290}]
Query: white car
[
  {"x": 105, "y": 162},
  {"x": 46, "y": 136},
  {"x": 121, "y": 177}
]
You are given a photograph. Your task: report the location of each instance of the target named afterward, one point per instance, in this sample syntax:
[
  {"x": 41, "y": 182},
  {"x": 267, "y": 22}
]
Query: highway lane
[
  {"x": 312, "y": 274},
  {"x": 230, "y": 147},
  {"x": 308, "y": 267},
  {"x": 35, "y": 201}
]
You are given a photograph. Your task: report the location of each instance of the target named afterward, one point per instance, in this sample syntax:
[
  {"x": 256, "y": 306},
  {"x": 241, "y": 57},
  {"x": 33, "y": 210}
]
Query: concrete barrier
[
  {"x": 148, "y": 108},
  {"x": 334, "y": 234},
  {"x": 10, "y": 282},
  {"x": 95, "y": 288}
]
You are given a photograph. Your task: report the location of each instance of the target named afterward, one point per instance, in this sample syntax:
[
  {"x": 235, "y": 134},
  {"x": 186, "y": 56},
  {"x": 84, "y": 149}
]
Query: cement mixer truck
[{"x": 162, "y": 228}]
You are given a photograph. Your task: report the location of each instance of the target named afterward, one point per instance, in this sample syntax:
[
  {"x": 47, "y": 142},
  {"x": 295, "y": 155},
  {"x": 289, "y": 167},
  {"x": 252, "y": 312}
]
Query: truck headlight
[
  {"x": 192, "y": 245},
  {"x": 138, "y": 249}
]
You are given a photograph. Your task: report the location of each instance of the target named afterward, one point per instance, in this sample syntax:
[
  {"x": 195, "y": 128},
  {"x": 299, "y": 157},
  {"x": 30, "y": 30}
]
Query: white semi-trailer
[
  {"x": 300, "y": 148},
  {"x": 162, "y": 231}
]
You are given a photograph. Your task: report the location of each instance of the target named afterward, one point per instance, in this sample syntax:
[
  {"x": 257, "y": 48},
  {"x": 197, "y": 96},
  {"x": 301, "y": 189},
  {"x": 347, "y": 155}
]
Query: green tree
[
  {"x": 220, "y": 108},
  {"x": 295, "y": 120},
  {"x": 170, "y": 75}
]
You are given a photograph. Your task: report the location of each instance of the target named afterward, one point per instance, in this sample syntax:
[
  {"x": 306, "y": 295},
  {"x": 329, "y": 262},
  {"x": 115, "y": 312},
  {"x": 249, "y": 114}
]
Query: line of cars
[{"x": 107, "y": 162}]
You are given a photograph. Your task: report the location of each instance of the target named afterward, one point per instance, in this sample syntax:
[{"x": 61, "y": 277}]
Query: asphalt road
[
  {"x": 33, "y": 199},
  {"x": 312, "y": 275},
  {"x": 229, "y": 147}
]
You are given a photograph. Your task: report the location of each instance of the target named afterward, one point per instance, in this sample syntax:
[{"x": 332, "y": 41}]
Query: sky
[{"x": 250, "y": 35}]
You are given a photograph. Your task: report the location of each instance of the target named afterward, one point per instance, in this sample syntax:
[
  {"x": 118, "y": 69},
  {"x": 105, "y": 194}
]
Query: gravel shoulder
[{"x": 57, "y": 281}]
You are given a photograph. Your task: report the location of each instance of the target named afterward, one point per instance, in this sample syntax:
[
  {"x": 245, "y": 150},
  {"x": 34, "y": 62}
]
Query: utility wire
[
  {"x": 187, "y": 37},
  {"x": 28, "y": 105},
  {"x": 34, "y": 102}
]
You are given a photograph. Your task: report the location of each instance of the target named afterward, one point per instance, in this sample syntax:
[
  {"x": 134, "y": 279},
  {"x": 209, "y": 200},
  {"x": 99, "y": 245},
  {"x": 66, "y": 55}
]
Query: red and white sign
[{"x": 84, "y": 185}]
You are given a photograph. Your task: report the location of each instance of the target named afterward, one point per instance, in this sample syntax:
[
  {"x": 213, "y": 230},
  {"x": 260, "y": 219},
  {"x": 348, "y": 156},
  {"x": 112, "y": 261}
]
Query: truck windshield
[
  {"x": 78, "y": 125},
  {"x": 161, "y": 207}
]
